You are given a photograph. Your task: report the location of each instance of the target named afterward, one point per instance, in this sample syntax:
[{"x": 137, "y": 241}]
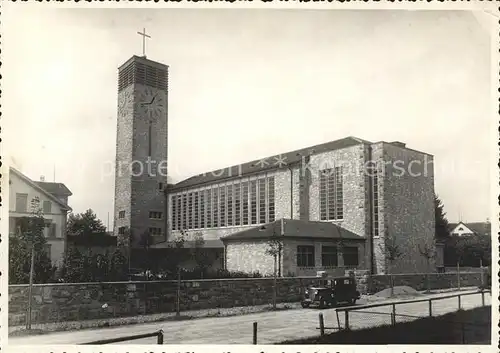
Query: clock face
[
  {"x": 151, "y": 103},
  {"x": 124, "y": 102}
]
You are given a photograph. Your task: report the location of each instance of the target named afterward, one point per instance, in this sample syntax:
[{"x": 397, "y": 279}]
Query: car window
[{"x": 346, "y": 281}]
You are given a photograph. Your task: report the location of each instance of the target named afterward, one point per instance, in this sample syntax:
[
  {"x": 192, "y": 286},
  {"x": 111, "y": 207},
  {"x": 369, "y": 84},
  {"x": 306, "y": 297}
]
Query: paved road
[{"x": 272, "y": 326}]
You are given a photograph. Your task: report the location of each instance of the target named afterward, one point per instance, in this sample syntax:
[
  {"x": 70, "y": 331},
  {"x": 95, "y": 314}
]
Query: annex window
[
  {"x": 329, "y": 256},
  {"x": 262, "y": 201},
  {"x": 350, "y": 254},
  {"x": 305, "y": 256},
  {"x": 155, "y": 215},
  {"x": 244, "y": 203}
]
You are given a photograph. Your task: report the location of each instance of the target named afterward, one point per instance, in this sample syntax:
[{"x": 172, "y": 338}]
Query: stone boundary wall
[{"x": 86, "y": 301}]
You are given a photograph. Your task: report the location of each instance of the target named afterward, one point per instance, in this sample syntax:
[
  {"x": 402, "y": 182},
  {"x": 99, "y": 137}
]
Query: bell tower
[{"x": 141, "y": 151}]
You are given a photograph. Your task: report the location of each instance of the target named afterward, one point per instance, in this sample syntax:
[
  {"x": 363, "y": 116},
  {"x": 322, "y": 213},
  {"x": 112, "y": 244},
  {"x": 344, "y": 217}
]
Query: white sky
[{"x": 245, "y": 84}]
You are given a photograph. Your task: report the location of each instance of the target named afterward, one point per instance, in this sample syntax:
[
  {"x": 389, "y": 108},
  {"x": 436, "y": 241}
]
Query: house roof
[
  {"x": 479, "y": 228},
  {"x": 55, "y": 188},
  {"x": 294, "y": 228},
  {"x": 40, "y": 189},
  {"x": 266, "y": 164}
]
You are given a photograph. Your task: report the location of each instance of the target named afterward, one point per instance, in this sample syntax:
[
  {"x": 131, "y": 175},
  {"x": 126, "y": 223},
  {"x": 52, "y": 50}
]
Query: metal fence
[
  {"x": 392, "y": 313},
  {"x": 158, "y": 334}
]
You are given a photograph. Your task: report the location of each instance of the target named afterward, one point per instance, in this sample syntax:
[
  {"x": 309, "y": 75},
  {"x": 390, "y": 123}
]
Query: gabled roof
[
  {"x": 40, "y": 189},
  {"x": 294, "y": 228},
  {"x": 478, "y": 228},
  {"x": 266, "y": 164},
  {"x": 55, "y": 188}
]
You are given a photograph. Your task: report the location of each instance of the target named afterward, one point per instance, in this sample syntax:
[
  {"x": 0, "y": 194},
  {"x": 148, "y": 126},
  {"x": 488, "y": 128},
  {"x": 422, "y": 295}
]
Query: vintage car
[{"x": 330, "y": 292}]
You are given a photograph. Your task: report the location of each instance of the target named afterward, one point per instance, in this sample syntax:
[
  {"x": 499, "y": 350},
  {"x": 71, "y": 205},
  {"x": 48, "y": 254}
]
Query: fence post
[
  {"x": 463, "y": 332},
  {"x": 255, "y": 333},
  {"x": 430, "y": 307},
  {"x": 458, "y": 275},
  {"x": 160, "y": 337},
  {"x": 459, "y": 302},
  {"x": 393, "y": 315},
  {"x": 482, "y": 297},
  {"x": 178, "y": 303},
  {"x": 321, "y": 324},
  {"x": 347, "y": 319}
]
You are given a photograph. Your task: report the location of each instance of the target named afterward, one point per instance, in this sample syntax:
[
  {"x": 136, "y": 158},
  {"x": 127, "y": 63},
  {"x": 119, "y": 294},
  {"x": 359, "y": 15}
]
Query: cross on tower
[{"x": 144, "y": 36}]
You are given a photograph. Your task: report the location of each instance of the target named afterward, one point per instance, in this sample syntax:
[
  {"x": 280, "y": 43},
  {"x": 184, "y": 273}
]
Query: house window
[
  {"x": 350, "y": 256},
  {"x": 305, "y": 256},
  {"x": 47, "y": 207},
  {"x": 237, "y": 204},
  {"x": 196, "y": 218},
  {"x": 331, "y": 194},
  {"x": 208, "y": 196},
  {"x": 262, "y": 201},
  {"x": 270, "y": 192},
  {"x": 155, "y": 215},
  {"x": 121, "y": 214},
  {"x": 329, "y": 256},
  {"x": 244, "y": 194},
  {"x": 222, "y": 203},
  {"x": 216, "y": 206},
  {"x": 230, "y": 203},
  {"x": 202, "y": 209},
  {"x": 52, "y": 230},
  {"x": 253, "y": 201},
  {"x": 121, "y": 230},
  {"x": 154, "y": 231},
  {"x": 21, "y": 202},
  {"x": 375, "y": 204}
]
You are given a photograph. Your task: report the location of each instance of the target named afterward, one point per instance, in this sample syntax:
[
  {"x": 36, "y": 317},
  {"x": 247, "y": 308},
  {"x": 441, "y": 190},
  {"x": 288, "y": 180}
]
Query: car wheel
[
  {"x": 322, "y": 303},
  {"x": 353, "y": 301},
  {"x": 304, "y": 305}
]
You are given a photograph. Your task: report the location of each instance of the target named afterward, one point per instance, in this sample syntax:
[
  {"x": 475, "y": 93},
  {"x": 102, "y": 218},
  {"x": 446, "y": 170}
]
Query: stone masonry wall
[
  {"x": 406, "y": 206},
  {"x": 86, "y": 301},
  {"x": 249, "y": 257}
]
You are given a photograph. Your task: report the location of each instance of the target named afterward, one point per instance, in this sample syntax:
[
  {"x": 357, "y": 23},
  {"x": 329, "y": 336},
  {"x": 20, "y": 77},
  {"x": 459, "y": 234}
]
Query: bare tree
[
  {"x": 274, "y": 249},
  {"x": 392, "y": 252},
  {"x": 428, "y": 251}
]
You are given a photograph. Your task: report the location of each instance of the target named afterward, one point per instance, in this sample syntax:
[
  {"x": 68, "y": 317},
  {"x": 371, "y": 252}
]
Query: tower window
[
  {"x": 121, "y": 230},
  {"x": 155, "y": 215},
  {"x": 121, "y": 214}
]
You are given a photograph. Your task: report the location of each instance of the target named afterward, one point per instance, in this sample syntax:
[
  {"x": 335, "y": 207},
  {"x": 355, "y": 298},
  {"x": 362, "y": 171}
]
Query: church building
[{"x": 336, "y": 205}]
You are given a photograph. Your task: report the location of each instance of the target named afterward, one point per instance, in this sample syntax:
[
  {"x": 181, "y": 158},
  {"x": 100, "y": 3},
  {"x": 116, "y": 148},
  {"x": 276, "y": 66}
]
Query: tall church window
[
  {"x": 208, "y": 195},
  {"x": 202, "y": 209},
  {"x": 253, "y": 201},
  {"x": 216, "y": 206},
  {"x": 190, "y": 211},
  {"x": 196, "y": 218},
  {"x": 262, "y": 200},
  {"x": 230, "y": 205},
  {"x": 244, "y": 203},
  {"x": 184, "y": 212},
  {"x": 331, "y": 194},
  {"x": 179, "y": 214},
  {"x": 375, "y": 203},
  {"x": 270, "y": 193},
  {"x": 174, "y": 212},
  {"x": 222, "y": 203},
  {"x": 237, "y": 204}
]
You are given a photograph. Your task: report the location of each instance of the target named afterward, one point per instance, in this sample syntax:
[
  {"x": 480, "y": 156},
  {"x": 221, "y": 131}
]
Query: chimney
[{"x": 42, "y": 178}]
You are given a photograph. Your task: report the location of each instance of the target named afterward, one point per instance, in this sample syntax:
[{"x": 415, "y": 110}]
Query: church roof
[
  {"x": 266, "y": 164},
  {"x": 294, "y": 228}
]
